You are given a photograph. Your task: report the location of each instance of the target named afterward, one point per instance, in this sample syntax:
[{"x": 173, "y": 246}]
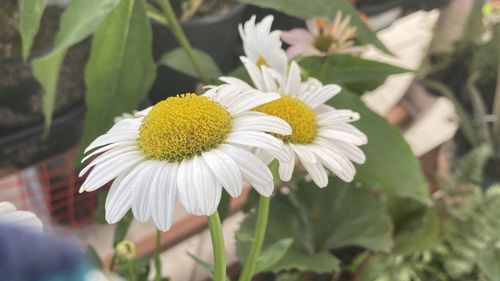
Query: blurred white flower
[
  {"x": 322, "y": 38},
  {"x": 188, "y": 147},
  {"x": 10, "y": 215},
  {"x": 321, "y": 137},
  {"x": 262, "y": 46}
]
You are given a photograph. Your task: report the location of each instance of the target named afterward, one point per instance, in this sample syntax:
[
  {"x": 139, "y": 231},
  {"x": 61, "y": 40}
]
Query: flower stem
[
  {"x": 157, "y": 257},
  {"x": 179, "y": 34},
  {"x": 131, "y": 270},
  {"x": 260, "y": 232},
  {"x": 218, "y": 247}
]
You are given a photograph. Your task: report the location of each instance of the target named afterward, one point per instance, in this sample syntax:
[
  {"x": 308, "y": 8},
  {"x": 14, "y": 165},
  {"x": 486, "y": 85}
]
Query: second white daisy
[{"x": 322, "y": 136}]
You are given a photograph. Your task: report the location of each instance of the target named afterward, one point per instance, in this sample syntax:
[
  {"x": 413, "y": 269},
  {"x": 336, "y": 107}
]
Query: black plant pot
[
  {"x": 216, "y": 35},
  {"x": 28, "y": 145}
]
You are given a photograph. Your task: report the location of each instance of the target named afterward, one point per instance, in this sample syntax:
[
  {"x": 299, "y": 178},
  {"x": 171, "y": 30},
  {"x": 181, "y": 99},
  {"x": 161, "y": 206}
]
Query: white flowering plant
[{"x": 293, "y": 127}]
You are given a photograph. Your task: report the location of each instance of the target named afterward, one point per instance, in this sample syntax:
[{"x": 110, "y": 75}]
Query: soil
[{"x": 20, "y": 93}]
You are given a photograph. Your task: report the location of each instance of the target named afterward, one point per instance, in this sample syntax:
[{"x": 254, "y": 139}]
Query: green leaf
[
  {"x": 120, "y": 70},
  {"x": 419, "y": 234},
  {"x": 31, "y": 12},
  {"x": 206, "y": 265},
  {"x": 81, "y": 19},
  {"x": 179, "y": 60},
  {"x": 93, "y": 257},
  {"x": 319, "y": 262},
  {"x": 356, "y": 73},
  {"x": 46, "y": 71},
  {"x": 321, "y": 220},
  {"x": 489, "y": 264},
  {"x": 273, "y": 254},
  {"x": 323, "y": 8},
  {"x": 122, "y": 228},
  {"x": 390, "y": 164},
  {"x": 78, "y": 21}
]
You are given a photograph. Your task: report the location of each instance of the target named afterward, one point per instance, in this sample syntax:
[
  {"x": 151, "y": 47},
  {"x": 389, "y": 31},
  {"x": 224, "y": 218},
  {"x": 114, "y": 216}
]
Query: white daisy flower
[
  {"x": 188, "y": 147},
  {"x": 322, "y": 136},
  {"x": 262, "y": 46},
  {"x": 10, "y": 215}
]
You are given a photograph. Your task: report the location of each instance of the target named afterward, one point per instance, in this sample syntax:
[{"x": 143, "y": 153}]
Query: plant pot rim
[{"x": 37, "y": 129}]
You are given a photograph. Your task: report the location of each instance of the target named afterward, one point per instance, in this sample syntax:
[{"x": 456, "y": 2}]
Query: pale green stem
[
  {"x": 218, "y": 247},
  {"x": 479, "y": 109},
  {"x": 496, "y": 111},
  {"x": 131, "y": 270},
  {"x": 157, "y": 256},
  {"x": 179, "y": 34},
  {"x": 260, "y": 232}
]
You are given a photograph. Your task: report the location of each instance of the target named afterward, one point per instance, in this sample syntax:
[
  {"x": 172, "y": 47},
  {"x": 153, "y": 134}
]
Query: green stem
[
  {"x": 157, "y": 256},
  {"x": 260, "y": 232},
  {"x": 218, "y": 247},
  {"x": 112, "y": 263},
  {"x": 179, "y": 34},
  {"x": 131, "y": 270}
]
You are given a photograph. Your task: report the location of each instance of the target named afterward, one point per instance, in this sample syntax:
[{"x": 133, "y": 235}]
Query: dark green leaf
[
  {"x": 179, "y": 60},
  {"x": 93, "y": 257},
  {"x": 419, "y": 234},
  {"x": 321, "y": 220},
  {"x": 355, "y": 73},
  {"x": 273, "y": 254},
  {"x": 390, "y": 164},
  {"x": 122, "y": 228},
  {"x": 323, "y": 8},
  {"x": 319, "y": 262},
  {"x": 224, "y": 206},
  {"x": 31, "y": 12},
  {"x": 120, "y": 69},
  {"x": 78, "y": 21}
]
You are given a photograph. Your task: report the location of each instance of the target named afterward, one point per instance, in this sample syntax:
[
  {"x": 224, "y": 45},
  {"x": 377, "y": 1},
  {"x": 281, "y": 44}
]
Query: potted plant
[
  {"x": 210, "y": 26},
  {"x": 22, "y": 140}
]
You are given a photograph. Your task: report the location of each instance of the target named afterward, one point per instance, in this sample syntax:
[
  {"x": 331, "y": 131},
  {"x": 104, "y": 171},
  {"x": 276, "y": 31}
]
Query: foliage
[
  {"x": 352, "y": 72},
  {"x": 319, "y": 221}
]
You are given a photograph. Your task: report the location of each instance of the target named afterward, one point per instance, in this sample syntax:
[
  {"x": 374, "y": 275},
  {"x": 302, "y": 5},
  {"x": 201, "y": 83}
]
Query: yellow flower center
[
  {"x": 261, "y": 61},
  {"x": 323, "y": 42},
  {"x": 300, "y": 116},
  {"x": 182, "y": 127}
]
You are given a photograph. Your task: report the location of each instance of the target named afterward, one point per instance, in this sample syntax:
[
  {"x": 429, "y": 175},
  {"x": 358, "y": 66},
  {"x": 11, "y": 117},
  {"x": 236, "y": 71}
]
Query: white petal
[
  {"x": 120, "y": 194},
  {"x": 141, "y": 190},
  {"x": 127, "y": 125},
  {"x": 162, "y": 196},
  {"x": 294, "y": 80},
  {"x": 347, "y": 137},
  {"x": 322, "y": 95},
  {"x": 254, "y": 73},
  {"x": 6, "y": 208},
  {"x": 108, "y": 147},
  {"x": 263, "y": 155},
  {"x": 333, "y": 116},
  {"x": 336, "y": 163},
  {"x": 111, "y": 138},
  {"x": 105, "y": 172},
  {"x": 258, "y": 121},
  {"x": 304, "y": 153},
  {"x": 253, "y": 170},
  {"x": 285, "y": 170},
  {"x": 317, "y": 173},
  {"x": 107, "y": 156},
  {"x": 236, "y": 82},
  {"x": 353, "y": 152},
  {"x": 198, "y": 190},
  {"x": 249, "y": 100},
  {"x": 225, "y": 170},
  {"x": 253, "y": 139}
]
